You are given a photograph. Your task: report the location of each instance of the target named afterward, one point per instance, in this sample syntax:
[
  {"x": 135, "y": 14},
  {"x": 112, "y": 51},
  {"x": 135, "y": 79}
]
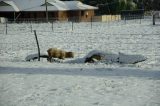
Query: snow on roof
[
  {"x": 11, "y": 6},
  {"x": 20, "y": 5},
  {"x": 77, "y": 5},
  {"x": 63, "y": 6},
  {"x": 6, "y": 8},
  {"x": 27, "y": 4},
  {"x": 43, "y": 8},
  {"x": 59, "y": 5},
  {"x": 53, "y": 6},
  {"x": 36, "y": 5}
]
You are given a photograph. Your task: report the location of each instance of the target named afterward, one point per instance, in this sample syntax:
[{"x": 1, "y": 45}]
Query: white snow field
[{"x": 71, "y": 82}]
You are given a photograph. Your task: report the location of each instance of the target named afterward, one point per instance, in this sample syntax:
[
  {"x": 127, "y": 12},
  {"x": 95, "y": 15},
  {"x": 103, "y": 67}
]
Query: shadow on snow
[{"x": 98, "y": 72}]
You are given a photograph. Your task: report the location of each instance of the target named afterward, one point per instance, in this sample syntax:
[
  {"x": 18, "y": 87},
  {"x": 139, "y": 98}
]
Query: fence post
[
  {"x": 31, "y": 26},
  {"x": 91, "y": 22},
  {"x": 52, "y": 26},
  {"x": 140, "y": 19},
  {"x": 6, "y": 28},
  {"x": 135, "y": 18},
  {"x": 111, "y": 17},
  {"x": 72, "y": 24},
  {"x": 154, "y": 19},
  {"x": 37, "y": 45},
  {"x": 118, "y": 18}
]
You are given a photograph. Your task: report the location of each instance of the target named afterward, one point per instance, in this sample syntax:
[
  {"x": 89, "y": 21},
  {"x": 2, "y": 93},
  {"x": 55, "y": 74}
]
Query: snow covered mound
[{"x": 117, "y": 58}]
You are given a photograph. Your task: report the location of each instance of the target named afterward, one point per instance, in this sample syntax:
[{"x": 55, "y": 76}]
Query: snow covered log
[
  {"x": 35, "y": 56},
  {"x": 106, "y": 57},
  {"x": 58, "y": 53}
]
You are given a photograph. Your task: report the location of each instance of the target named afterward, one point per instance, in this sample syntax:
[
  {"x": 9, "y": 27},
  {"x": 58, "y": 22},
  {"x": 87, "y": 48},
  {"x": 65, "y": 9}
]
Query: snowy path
[
  {"x": 84, "y": 71},
  {"x": 77, "y": 85}
]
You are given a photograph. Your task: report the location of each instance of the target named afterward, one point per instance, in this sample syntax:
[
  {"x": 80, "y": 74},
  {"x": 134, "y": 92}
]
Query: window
[{"x": 82, "y": 13}]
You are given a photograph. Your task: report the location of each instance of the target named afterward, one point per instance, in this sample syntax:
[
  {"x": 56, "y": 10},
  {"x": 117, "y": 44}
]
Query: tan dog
[{"x": 60, "y": 54}]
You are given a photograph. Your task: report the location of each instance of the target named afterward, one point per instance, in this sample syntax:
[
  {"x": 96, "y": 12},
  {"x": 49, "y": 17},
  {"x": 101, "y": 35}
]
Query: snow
[
  {"x": 73, "y": 82},
  {"x": 73, "y": 85}
]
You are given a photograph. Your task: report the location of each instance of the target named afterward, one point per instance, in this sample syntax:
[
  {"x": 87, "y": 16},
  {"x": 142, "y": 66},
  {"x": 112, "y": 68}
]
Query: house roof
[
  {"x": 77, "y": 5},
  {"x": 8, "y": 6},
  {"x": 19, "y": 5},
  {"x": 51, "y": 6},
  {"x": 43, "y": 8},
  {"x": 38, "y": 5},
  {"x": 27, "y": 4}
]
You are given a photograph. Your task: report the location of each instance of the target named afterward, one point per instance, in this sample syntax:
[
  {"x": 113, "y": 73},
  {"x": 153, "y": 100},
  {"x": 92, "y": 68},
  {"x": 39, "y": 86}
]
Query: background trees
[
  {"x": 112, "y": 6},
  {"x": 116, "y": 6}
]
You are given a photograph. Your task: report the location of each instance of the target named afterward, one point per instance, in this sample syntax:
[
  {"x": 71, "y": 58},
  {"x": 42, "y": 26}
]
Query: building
[{"x": 36, "y": 10}]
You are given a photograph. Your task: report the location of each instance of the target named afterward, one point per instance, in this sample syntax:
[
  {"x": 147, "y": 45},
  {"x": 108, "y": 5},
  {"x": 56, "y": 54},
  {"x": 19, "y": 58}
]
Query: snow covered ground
[{"x": 72, "y": 82}]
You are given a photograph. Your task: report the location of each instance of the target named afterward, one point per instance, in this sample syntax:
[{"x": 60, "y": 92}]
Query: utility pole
[{"x": 46, "y": 11}]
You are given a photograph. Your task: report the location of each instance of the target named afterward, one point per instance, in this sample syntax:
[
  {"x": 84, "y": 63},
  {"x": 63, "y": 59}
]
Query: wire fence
[
  {"x": 130, "y": 37},
  {"x": 60, "y": 26}
]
